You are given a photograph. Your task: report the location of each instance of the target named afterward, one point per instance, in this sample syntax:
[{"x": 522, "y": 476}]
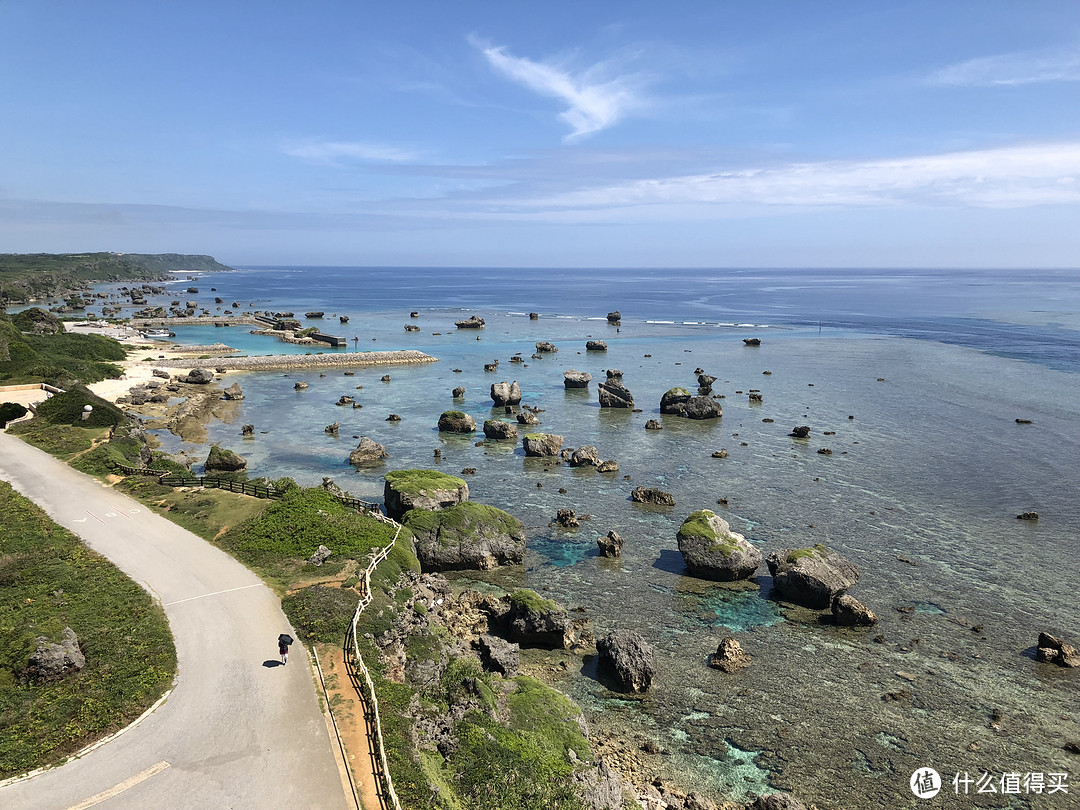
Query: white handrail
[{"x": 365, "y": 600}]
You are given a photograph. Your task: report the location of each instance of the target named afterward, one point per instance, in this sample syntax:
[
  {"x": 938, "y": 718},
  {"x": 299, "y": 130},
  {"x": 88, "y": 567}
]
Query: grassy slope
[{"x": 48, "y": 581}]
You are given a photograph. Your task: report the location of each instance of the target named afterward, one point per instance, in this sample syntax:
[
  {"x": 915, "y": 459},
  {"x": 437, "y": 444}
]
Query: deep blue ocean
[{"x": 915, "y": 381}]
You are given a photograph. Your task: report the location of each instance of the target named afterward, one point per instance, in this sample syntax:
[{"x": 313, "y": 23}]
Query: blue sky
[{"x": 711, "y": 134}]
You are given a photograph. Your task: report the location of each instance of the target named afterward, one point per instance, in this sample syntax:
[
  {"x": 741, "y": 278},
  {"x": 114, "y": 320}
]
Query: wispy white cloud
[
  {"x": 593, "y": 102},
  {"x": 1008, "y": 177},
  {"x": 333, "y": 152},
  {"x": 1009, "y": 69}
]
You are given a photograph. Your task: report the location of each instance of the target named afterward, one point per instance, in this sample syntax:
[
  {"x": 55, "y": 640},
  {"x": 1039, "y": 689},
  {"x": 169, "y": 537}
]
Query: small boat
[{"x": 158, "y": 334}]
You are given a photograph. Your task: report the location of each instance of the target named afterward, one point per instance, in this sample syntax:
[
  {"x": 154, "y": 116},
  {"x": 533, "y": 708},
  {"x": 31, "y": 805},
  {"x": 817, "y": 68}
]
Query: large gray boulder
[
  {"x": 572, "y": 378},
  {"x": 198, "y": 376},
  {"x": 629, "y": 657},
  {"x": 712, "y": 551},
  {"x": 613, "y": 394},
  {"x": 541, "y": 444},
  {"x": 472, "y": 322},
  {"x": 221, "y": 460},
  {"x": 498, "y": 429},
  {"x": 679, "y": 402},
  {"x": 596, "y": 345},
  {"x": 538, "y": 622},
  {"x": 545, "y": 347},
  {"x": 456, "y": 422},
  {"x": 421, "y": 489},
  {"x": 585, "y": 456},
  {"x": 504, "y": 393},
  {"x": 367, "y": 452},
  {"x": 499, "y": 655},
  {"x": 812, "y": 577},
  {"x": 51, "y": 661},
  {"x": 466, "y": 536}
]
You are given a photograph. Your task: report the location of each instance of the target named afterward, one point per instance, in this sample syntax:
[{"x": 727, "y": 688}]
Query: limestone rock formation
[
  {"x": 499, "y": 655},
  {"x": 1052, "y": 650},
  {"x": 421, "y": 489},
  {"x": 812, "y": 577},
  {"x": 850, "y": 612},
  {"x": 504, "y": 393},
  {"x": 652, "y": 495},
  {"x": 541, "y": 444},
  {"x": 611, "y": 544},
  {"x": 198, "y": 376},
  {"x": 538, "y": 622},
  {"x": 456, "y": 422},
  {"x": 596, "y": 346},
  {"x": 729, "y": 656},
  {"x": 585, "y": 456},
  {"x": 572, "y": 378},
  {"x": 233, "y": 392},
  {"x": 498, "y": 429},
  {"x": 613, "y": 394},
  {"x": 545, "y": 347},
  {"x": 472, "y": 322},
  {"x": 679, "y": 402},
  {"x": 222, "y": 460},
  {"x": 368, "y": 451},
  {"x": 712, "y": 551},
  {"x": 629, "y": 657},
  {"x": 467, "y": 535}
]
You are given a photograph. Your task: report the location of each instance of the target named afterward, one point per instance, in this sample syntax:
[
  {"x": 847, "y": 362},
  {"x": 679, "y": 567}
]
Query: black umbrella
[{"x": 285, "y": 639}]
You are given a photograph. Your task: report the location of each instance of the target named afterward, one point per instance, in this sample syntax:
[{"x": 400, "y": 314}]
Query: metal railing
[{"x": 358, "y": 662}]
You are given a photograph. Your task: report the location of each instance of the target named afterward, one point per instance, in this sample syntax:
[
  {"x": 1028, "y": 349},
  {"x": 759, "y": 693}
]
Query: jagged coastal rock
[
  {"x": 198, "y": 376},
  {"x": 629, "y": 657},
  {"x": 321, "y": 555},
  {"x": 233, "y": 392},
  {"x": 541, "y": 444},
  {"x": 712, "y": 551},
  {"x": 729, "y": 656},
  {"x": 467, "y": 535},
  {"x": 332, "y": 428},
  {"x": 611, "y": 544},
  {"x": 679, "y": 402},
  {"x": 585, "y": 456},
  {"x": 504, "y": 393},
  {"x": 614, "y": 317},
  {"x": 572, "y": 378},
  {"x": 421, "y": 489},
  {"x": 472, "y": 322},
  {"x": 613, "y": 394},
  {"x": 652, "y": 495},
  {"x": 850, "y": 612},
  {"x": 545, "y": 347},
  {"x": 222, "y": 460},
  {"x": 566, "y": 519},
  {"x": 596, "y": 345},
  {"x": 459, "y": 392},
  {"x": 1052, "y": 650},
  {"x": 499, "y": 655},
  {"x": 498, "y": 429},
  {"x": 367, "y": 452},
  {"x": 528, "y": 418},
  {"x": 812, "y": 577},
  {"x": 801, "y": 432},
  {"x": 653, "y": 424},
  {"x": 456, "y": 422},
  {"x": 538, "y": 622}
]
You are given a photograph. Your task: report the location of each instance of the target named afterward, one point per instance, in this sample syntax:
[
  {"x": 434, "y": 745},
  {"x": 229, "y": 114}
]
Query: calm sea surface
[{"x": 918, "y": 376}]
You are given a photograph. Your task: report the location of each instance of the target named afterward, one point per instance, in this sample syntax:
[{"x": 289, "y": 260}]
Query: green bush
[
  {"x": 10, "y": 411},
  {"x": 67, "y": 409},
  {"x": 320, "y": 613}
]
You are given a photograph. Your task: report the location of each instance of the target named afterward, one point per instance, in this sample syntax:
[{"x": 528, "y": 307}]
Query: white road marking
[
  {"x": 127, "y": 784},
  {"x": 215, "y": 593}
]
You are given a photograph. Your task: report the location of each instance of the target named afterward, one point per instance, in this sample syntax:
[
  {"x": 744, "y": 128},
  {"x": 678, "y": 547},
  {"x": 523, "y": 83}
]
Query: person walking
[{"x": 283, "y": 642}]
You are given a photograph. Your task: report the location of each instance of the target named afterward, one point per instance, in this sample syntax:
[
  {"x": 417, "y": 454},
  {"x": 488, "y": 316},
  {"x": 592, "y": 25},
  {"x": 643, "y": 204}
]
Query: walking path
[{"x": 238, "y": 731}]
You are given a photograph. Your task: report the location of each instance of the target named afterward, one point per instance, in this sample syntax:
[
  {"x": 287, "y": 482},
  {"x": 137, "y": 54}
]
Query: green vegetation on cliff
[
  {"x": 24, "y": 276},
  {"x": 416, "y": 482},
  {"x": 49, "y": 580},
  {"x": 58, "y": 359}
]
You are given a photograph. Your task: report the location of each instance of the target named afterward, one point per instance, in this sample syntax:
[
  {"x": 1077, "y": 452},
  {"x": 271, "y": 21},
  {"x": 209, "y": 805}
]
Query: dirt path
[{"x": 352, "y": 725}]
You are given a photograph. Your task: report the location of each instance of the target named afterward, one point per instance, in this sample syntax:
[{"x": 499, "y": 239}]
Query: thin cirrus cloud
[
  {"x": 335, "y": 152},
  {"x": 1006, "y": 177},
  {"x": 592, "y": 104},
  {"x": 1012, "y": 69}
]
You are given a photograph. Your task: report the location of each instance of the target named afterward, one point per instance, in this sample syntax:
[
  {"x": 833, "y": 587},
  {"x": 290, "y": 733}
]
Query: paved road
[{"x": 234, "y": 733}]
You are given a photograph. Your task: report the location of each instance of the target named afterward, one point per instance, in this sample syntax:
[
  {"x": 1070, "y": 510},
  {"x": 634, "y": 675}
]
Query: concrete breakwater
[{"x": 293, "y": 361}]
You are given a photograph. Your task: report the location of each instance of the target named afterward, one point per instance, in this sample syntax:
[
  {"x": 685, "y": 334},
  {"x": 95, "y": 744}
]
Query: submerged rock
[
  {"x": 629, "y": 657},
  {"x": 712, "y": 551},
  {"x": 421, "y": 489},
  {"x": 812, "y": 577},
  {"x": 652, "y": 495},
  {"x": 467, "y": 535}
]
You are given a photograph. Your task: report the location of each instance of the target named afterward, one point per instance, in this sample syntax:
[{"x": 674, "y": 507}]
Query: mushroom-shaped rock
[
  {"x": 504, "y": 393},
  {"x": 498, "y": 429},
  {"x": 629, "y": 657},
  {"x": 456, "y": 422},
  {"x": 729, "y": 656},
  {"x": 572, "y": 378},
  {"x": 466, "y": 536},
  {"x": 613, "y": 394},
  {"x": 712, "y": 551},
  {"x": 541, "y": 444},
  {"x": 421, "y": 489},
  {"x": 850, "y": 612},
  {"x": 596, "y": 345},
  {"x": 472, "y": 322},
  {"x": 812, "y": 577},
  {"x": 458, "y": 392},
  {"x": 545, "y": 347},
  {"x": 538, "y": 622},
  {"x": 233, "y": 392},
  {"x": 585, "y": 456},
  {"x": 53, "y": 661},
  {"x": 614, "y": 317},
  {"x": 222, "y": 460},
  {"x": 610, "y": 545},
  {"x": 368, "y": 451},
  {"x": 652, "y": 495}
]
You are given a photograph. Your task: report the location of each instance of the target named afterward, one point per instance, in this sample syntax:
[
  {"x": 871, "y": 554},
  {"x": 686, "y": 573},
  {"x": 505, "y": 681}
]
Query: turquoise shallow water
[{"x": 932, "y": 468}]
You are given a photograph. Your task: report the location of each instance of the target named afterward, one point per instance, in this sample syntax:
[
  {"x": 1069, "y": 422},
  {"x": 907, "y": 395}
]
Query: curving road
[{"x": 234, "y": 733}]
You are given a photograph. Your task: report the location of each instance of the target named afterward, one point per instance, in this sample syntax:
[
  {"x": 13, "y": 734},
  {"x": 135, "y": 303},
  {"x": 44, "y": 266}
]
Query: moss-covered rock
[
  {"x": 712, "y": 551},
  {"x": 538, "y": 622},
  {"x": 541, "y": 444},
  {"x": 422, "y": 489},
  {"x": 457, "y": 422},
  {"x": 467, "y": 535},
  {"x": 224, "y": 460}
]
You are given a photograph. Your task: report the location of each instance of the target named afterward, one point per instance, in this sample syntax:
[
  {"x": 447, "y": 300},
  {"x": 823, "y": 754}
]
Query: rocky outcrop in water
[
  {"x": 541, "y": 444},
  {"x": 729, "y": 656},
  {"x": 653, "y": 496},
  {"x": 1052, "y": 650},
  {"x": 611, "y": 544},
  {"x": 233, "y": 392},
  {"x": 222, "y": 460},
  {"x": 585, "y": 456},
  {"x": 504, "y": 393},
  {"x": 459, "y": 392},
  {"x": 596, "y": 346},
  {"x": 368, "y": 452},
  {"x": 472, "y": 322},
  {"x": 456, "y": 422},
  {"x": 712, "y": 551},
  {"x": 801, "y": 432},
  {"x": 498, "y": 429},
  {"x": 421, "y": 489},
  {"x": 850, "y": 612},
  {"x": 528, "y": 418},
  {"x": 812, "y": 577},
  {"x": 545, "y": 347},
  {"x": 679, "y": 402},
  {"x": 629, "y": 657},
  {"x": 466, "y": 536},
  {"x": 572, "y": 378},
  {"x": 566, "y": 519},
  {"x": 613, "y": 394},
  {"x": 751, "y": 341},
  {"x": 614, "y": 317}
]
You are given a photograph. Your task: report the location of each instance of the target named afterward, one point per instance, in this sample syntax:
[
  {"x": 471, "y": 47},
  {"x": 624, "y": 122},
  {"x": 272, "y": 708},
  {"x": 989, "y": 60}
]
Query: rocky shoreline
[{"x": 279, "y": 362}]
